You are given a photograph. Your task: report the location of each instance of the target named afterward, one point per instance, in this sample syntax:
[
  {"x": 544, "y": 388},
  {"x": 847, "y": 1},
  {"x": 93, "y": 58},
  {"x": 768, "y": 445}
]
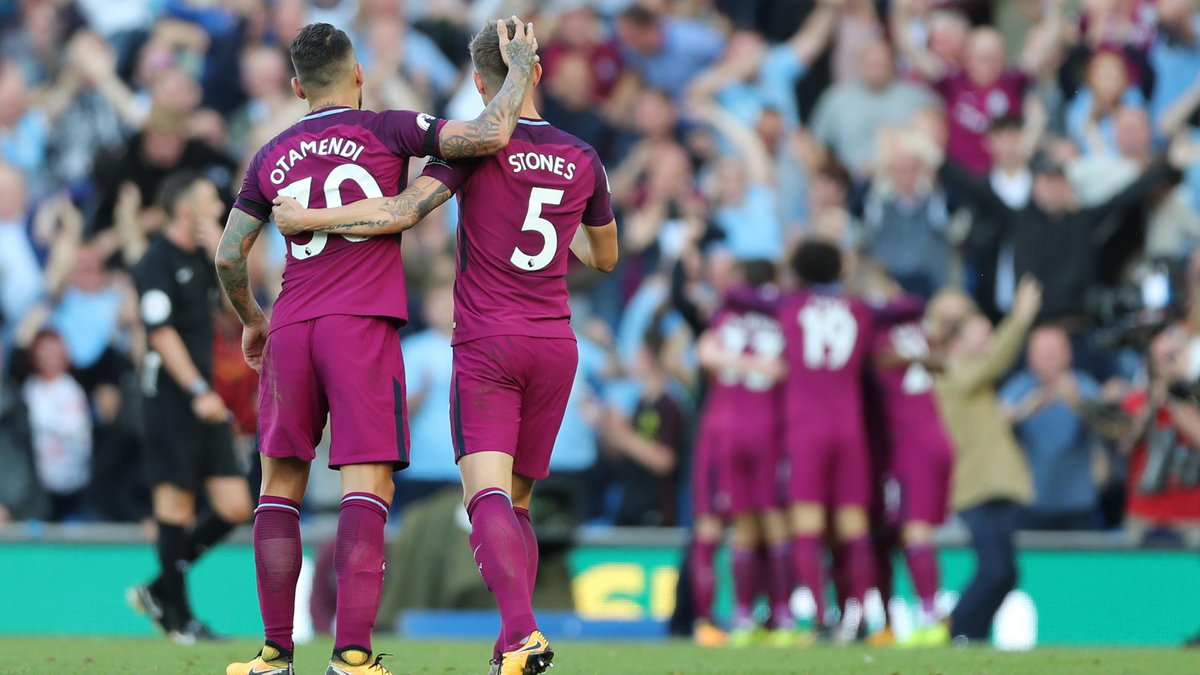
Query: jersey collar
[
  {"x": 532, "y": 122},
  {"x": 326, "y": 112}
]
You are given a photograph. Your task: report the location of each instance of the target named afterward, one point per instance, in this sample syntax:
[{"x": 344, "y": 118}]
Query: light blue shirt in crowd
[
  {"x": 20, "y": 276},
  {"x": 87, "y": 322},
  {"x": 1175, "y": 68},
  {"x": 24, "y": 146},
  {"x": 638, "y": 316},
  {"x": 752, "y": 228},
  {"x": 1058, "y": 445},
  {"x": 575, "y": 447},
  {"x": 775, "y": 87},
  {"x": 429, "y": 359},
  {"x": 1080, "y": 109},
  {"x": 688, "y": 47}
]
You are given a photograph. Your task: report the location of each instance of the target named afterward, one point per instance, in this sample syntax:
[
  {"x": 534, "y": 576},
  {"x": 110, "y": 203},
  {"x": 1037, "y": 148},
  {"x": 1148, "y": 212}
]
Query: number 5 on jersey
[{"x": 539, "y": 197}]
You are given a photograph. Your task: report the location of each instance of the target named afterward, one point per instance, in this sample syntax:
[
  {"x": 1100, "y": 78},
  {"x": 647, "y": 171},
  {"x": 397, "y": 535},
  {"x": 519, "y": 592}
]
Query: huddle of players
[
  {"x": 819, "y": 400},
  {"x": 331, "y": 347}
]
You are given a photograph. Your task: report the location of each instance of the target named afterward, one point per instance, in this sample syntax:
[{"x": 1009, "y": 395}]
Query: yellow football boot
[
  {"x": 532, "y": 658},
  {"x": 707, "y": 635},
  {"x": 270, "y": 661},
  {"x": 882, "y": 638},
  {"x": 356, "y": 662}
]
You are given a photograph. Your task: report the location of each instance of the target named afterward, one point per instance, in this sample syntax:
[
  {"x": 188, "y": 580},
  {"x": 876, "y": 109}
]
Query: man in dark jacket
[
  {"x": 21, "y": 494},
  {"x": 1053, "y": 240}
]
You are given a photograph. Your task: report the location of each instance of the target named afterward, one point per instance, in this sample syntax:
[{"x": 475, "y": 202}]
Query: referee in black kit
[{"x": 189, "y": 439}]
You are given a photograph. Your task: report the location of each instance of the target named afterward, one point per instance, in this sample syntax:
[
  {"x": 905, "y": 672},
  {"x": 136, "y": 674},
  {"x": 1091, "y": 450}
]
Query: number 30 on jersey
[{"x": 301, "y": 191}]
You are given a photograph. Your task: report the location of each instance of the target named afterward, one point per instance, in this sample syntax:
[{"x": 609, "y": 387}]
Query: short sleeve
[
  {"x": 598, "y": 211},
  {"x": 156, "y": 292},
  {"x": 451, "y": 174},
  {"x": 410, "y": 134},
  {"x": 251, "y": 199}
]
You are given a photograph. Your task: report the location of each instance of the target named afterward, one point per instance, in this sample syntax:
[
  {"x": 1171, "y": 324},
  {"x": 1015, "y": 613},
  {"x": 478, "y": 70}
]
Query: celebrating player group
[
  {"x": 820, "y": 434},
  {"x": 332, "y": 349}
]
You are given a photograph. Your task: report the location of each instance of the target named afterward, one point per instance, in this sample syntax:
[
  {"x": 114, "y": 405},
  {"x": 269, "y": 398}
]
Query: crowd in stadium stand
[{"x": 961, "y": 145}]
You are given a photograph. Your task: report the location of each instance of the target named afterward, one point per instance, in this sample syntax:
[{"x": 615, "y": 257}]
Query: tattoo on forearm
[
  {"x": 482, "y": 135},
  {"x": 405, "y": 209},
  {"x": 240, "y": 234}
]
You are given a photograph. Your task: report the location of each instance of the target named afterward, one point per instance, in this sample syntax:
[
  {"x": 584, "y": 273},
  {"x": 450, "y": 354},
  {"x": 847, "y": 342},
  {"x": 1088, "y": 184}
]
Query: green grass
[{"x": 46, "y": 656}]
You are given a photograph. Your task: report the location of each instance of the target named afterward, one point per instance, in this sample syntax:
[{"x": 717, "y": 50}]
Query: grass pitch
[{"x": 54, "y": 656}]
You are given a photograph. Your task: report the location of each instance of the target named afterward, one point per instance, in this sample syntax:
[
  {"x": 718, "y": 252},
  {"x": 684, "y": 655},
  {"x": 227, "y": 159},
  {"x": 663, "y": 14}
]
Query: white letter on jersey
[
  {"x": 539, "y": 197},
  {"x": 910, "y": 344},
  {"x": 830, "y": 332}
]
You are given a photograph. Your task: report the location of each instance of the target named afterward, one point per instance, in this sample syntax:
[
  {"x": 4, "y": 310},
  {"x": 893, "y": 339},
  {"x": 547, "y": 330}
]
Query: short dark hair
[
  {"x": 837, "y": 172},
  {"x": 817, "y": 262},
  {"x": 1008, "y": 122},
  {"x": 175, "y": 189},
  {"x": 1045, "y": 165},
  {"x": 320, "y": 55},
  {"x": 486, "y": 56},
  {"x": 759, "y": 271},
  {"x": 640, "y": 16}
]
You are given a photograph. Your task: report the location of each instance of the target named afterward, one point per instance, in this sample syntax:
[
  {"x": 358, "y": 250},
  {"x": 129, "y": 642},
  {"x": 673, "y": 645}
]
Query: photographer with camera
[{"x": 1163, "y": 443}]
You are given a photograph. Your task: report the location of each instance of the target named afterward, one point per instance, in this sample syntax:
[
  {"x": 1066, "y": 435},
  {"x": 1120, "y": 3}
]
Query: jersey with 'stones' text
[
  {"x": 329, "y": 158},
  {"x": 519, "y": 211}
]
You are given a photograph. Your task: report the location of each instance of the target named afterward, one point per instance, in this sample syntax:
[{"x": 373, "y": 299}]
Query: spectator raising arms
[
  {"x": 983, "y": 86},
  {"x": 991, "y": 477}
]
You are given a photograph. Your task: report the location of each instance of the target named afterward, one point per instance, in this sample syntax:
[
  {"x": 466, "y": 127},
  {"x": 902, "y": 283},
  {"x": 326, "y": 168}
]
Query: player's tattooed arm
[
  {"x": 233, "y": 253},
  {"x": 488, "y": 133},
  {"x": 366, "y": 217},
  {"x": 241, "y": 231}
]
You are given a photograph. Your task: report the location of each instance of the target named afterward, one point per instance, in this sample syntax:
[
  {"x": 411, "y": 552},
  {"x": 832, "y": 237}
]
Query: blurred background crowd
[{"x": 960, "y": 144}]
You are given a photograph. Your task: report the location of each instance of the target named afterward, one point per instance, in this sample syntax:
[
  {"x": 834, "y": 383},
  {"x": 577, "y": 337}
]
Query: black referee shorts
[{"x": 181, "y": 449}]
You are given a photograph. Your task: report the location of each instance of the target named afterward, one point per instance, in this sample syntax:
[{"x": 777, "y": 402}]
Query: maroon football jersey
[
  {"x": 750, "y": 400},
  {"x": 518, "y": 212},
  {"x": 828, "y": 338},
  {"x": 329, "y": 158},
  {"x": 905, "y": 392}
]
